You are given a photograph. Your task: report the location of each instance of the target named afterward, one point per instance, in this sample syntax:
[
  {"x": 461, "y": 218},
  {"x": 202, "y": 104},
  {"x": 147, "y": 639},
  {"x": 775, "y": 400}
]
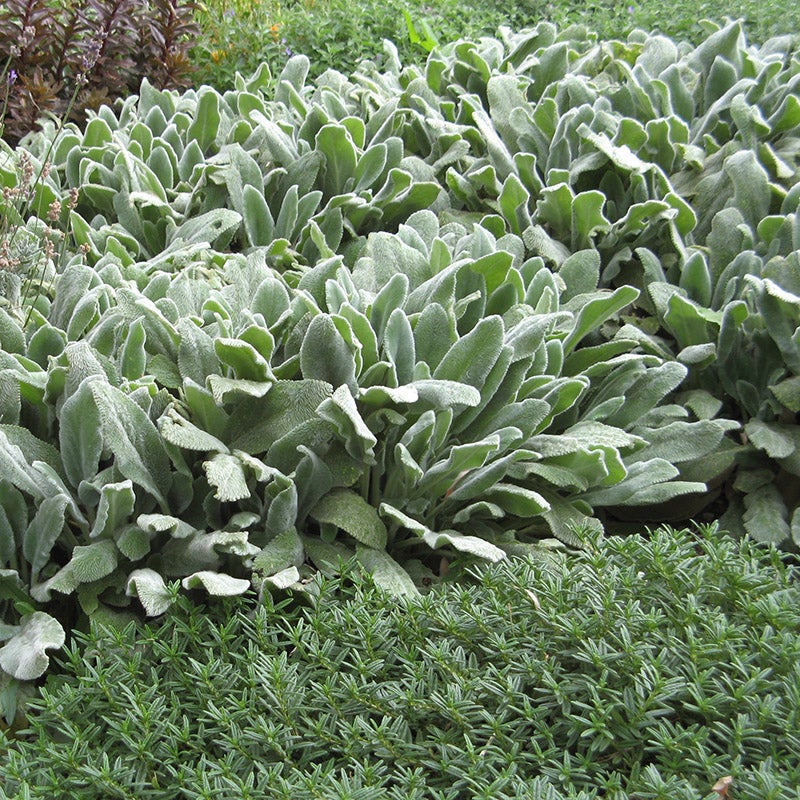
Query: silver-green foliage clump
[{"x": 402, "y": 316}]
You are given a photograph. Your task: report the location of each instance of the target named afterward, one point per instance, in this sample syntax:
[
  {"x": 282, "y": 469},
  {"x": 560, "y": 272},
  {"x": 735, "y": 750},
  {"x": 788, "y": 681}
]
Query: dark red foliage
[{"x": 72, "y": 55}]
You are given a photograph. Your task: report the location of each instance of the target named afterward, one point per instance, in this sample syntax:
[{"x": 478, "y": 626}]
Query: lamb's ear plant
[{"x": 418, "y": 317}]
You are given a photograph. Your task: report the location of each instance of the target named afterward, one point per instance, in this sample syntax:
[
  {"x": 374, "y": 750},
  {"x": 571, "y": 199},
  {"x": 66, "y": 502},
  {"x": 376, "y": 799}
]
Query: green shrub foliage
[
  {"x": 414, "y": 317},
  {"x": 640, "y": 668}
]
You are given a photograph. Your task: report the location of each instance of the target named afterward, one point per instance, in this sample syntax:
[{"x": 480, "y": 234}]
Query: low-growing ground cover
[{"x": 642, "y": 667}]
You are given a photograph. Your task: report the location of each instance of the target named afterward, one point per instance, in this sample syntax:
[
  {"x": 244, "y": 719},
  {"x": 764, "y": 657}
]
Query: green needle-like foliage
[{"x": 641, "y": 668}]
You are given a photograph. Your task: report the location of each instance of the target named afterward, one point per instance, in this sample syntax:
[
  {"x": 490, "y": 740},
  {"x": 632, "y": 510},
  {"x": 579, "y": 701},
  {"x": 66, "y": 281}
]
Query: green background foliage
[{"x": 336, "y": 34}]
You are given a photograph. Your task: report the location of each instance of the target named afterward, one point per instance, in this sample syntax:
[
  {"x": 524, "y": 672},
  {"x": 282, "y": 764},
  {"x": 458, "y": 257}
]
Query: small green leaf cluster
[{"x": 639, "y": 668}]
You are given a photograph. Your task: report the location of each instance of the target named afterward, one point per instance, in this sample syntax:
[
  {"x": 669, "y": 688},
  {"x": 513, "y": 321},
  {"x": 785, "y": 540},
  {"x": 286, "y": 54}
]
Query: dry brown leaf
[{"x": 721, "y": 787}]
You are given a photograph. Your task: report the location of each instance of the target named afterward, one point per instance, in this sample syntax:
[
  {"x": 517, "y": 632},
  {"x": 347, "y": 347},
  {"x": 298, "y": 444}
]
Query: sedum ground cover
[
  {"x": 412, "y": 319},
  {"x": 643, "y": 667}
]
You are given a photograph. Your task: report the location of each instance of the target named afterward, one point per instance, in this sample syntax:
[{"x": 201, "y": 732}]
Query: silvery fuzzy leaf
[
  {"x": 441, "y": 393},
  {"x": 52, "y": 485},
  {"x": 243, "y": 358},
  {"x": 217, "y": 227},
  {"x": 32, "y": 448},
  {"x": 442, "y": 475},
  {"x": 788, "y": 392},
  {"x": 341, "y": 411},
  {"x": 42, "y": 533},
  {"x": 501, "y": 387},
  {"x": 560, "y": 476},
  {"x": 398, "y": 346},
  {"x": 580, "y": 273},
  {"x": 325, "y": 356},
  {"x": 184, "y": 434},
  {"x": 284, "y": 579},
  {"x": 12, "y": 587},
  {"x": 336, "y": 144},
  {"x": 216, "y": 584},
  {"x": 80, "y": 435},
  {"x": 482, "y": 510},
  {"x": 384, "y": 257},
  {"x": 539, "y": 242},
  {"x": 349, "y": 512},
  {"x": 517, "y": 500},
  {"x": 596, "y": 433},
  {"x": 752, "y": 193},
  {"x": 202, "y": 551},
  {"x": 163, "y": 523},
  {"x": 284, "y": 550},
  {"x": 474, "y": 483},
  {"x": 132, "y": 542},
  {"x": 283, "y": 505},
  {"x": 766, "y": 518},
  {"x": 699, "y": 355},
  {"x": 162, "y": 336},
  {"x": 597, "y": 310},
  {"x": 94, "y": 561},
  {"x": 472, "y": 357},
  {"x": 472, "y": 545},
  {"x": 262, "y": 472},
  {"x": 680, "y": 442},
  {"x": 565, "y": 519},
  {"x": 384, "y": 395},
  {"x": 666, "y": 491},
  {"x": 255, "y": 424},
  {"x": 647, "y": 392},
  {"x": 224, "y": 389},
  {"x": 64, "y": 582},
  {"x": 225, "y": 473},
  {"x": 133, "y": 439},
  {"x": 619, "y": 155},
  {"x": 149, "y": 587},
  {"x": 641, "y": 476},
  {"x": 410, "y": 469},
  {"x": 10, "y": 397},
  {"x": 13, "y": 521},
  {"x": 496, "y": 148},
  {"x": 114, "y": 509},
  {"x": 73, "y": 284},
  {"x": 327, "y": 556},
  {"x": 403, "y": 520},
  {"x": 14, "y": 468},
  {"x": 439, "y": 290},
  {"x": 386, "y": 572},
  {"x": 24, "y": 656},
  {"x": 197, "y": 358},
  {"x": 527, "y": 416},
  {"x": 436, "y": 540}
]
